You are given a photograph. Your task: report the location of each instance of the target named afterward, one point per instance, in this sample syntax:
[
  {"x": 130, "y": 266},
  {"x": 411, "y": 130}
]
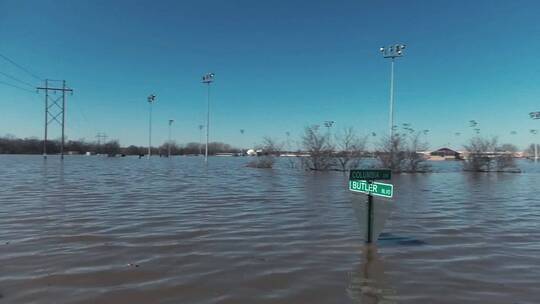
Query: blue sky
[{"x": 280, "y": 65}]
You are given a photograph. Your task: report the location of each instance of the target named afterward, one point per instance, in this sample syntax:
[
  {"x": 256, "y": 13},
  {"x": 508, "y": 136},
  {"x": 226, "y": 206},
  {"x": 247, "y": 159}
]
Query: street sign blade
[
  {"x": 370, "y": 174},
  {"x": 374, "y": 188}
]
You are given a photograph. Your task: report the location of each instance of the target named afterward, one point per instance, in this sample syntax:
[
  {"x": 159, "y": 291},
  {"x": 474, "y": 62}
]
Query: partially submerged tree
[
  {"x": 478, "y": 159},
  {"x": 270, "y": 149},
  {"x": 319, "y": 148},
  {"x": 505, "y": 157},
  {"x": 292, "y": 162},
  {"x": 111, "y": 148},
  {"x": 391, "y": 152},
  {"x": 484, "y": 155},
  {"x": 401, "y": 152},
  {"x": 530, "y": 151},
  {"x": 350, "y": 149},
  {"x": 172, "y": 145},
  {"x": 415, "y": 161}
]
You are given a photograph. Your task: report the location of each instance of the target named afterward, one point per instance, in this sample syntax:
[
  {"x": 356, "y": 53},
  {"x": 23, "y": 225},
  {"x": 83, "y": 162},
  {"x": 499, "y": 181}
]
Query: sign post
[
  {"x": 370, "y": 216},
  {"x": 363, "y": 181}
]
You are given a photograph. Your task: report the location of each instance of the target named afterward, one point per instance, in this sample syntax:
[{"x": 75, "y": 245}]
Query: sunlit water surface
[{"x": 128, "y": 230}]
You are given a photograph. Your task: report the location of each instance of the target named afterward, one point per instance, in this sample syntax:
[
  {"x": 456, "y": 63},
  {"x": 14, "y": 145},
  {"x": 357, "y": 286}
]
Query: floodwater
[{"x": 128, "y": 230}]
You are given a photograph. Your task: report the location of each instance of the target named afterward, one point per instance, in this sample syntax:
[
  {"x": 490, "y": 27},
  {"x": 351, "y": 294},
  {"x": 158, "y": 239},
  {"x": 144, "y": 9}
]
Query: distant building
[
  {"x": 520, "y": 154},
  {"x": 445, "y": 154},
  {"x": 226, "y": 154}
]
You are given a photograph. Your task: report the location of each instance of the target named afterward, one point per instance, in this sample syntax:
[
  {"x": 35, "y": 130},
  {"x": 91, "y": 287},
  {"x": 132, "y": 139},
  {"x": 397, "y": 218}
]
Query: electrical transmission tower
[
  {"x": 100, "y": 136},
  {"x": 55, "y": 111}
]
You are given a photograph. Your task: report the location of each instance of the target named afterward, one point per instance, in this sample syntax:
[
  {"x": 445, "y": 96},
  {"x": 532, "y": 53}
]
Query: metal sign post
[
  {"x": 370, "y": 216},
  {"x": 363, "y": 181}
]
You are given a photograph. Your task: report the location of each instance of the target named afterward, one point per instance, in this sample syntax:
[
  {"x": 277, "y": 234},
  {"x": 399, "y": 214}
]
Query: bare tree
[
  {"x": 400, "y": 153},
  {"x": 414, "y": 161},
  {"x": 111, "y": 148},
  {"x": 478, "y": 159},
  {"x": 291, "y": 161},
  {"x": 351, "y": 148},
  {"x": 270, "y": 149},
  {"x": 484, "y": 155},
  {"x": 392, "y": 152},
  {"x": 319, "y": 148},
  {"x": 505, "y": 157},
  {"x": 530, "y": 150}
]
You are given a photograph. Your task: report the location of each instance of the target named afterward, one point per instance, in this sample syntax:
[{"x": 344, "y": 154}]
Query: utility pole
[
  {"x": 169, "y": 143},
  {"x": 207, "y": 79},
  {"x": 55, "y": 111},
  {"x": 151, "y": 100},
  {"x": 393, "y": 52}
]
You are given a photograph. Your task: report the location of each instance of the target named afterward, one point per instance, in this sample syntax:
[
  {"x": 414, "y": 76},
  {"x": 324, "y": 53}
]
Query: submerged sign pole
[
  {"x": 363, "y": 181},
  {"x": 370, "y": 217}
]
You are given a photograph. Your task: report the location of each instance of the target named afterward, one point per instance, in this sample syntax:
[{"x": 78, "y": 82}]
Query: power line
[
  {"x": 17, "y": 79},
  {"x": 20, "y": 67},
  {"x": 16, "y": 86}
]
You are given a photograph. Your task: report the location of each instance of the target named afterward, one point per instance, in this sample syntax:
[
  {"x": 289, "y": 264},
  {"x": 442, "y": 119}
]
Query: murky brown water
[{"x": 124, "y": 230}]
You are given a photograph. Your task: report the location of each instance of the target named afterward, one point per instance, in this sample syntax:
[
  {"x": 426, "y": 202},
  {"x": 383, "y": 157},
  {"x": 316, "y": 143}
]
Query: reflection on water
[
  {"x": 369, "y": 284},
  {"x": 128, "y": 230},
  {"x": 389, "y": 239}
]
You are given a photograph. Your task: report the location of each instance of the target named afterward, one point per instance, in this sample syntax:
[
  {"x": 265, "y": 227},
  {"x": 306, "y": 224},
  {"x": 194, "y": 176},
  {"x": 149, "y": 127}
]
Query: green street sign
[
  {"x": 370, "y": 174},
  {"x": 374, "y": 188}
]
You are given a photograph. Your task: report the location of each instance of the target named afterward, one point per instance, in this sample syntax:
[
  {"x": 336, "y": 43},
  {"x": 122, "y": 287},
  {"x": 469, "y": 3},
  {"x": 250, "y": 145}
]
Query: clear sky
[{"x": 280, "y": 65}]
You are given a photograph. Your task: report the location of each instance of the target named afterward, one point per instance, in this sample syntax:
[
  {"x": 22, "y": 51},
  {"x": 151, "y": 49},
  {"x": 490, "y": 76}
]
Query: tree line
[
  {"x": 13, "y": 145},
  {"x": 321, "y": 151},
  {"x": 400, "y": 152}
]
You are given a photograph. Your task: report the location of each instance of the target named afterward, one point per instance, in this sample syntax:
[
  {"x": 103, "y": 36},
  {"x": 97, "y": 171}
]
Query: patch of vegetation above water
[
  {"x": 401, "y": 153},
  {"x": 485, "y": 155}
]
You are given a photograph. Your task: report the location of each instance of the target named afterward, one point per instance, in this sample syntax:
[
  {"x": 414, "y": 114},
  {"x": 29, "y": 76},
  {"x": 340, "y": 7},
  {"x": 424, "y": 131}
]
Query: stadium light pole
[
  {"x": 201, "y": 127},
  {"x": 288, "y": 134},
  {"x": 534, "y": 132},
  {"x": 535, "y": 115},
  {"x": 242, "y": 149},
  {"x": 392, "y": 52},
  {"x": 207, "y": 79},
  {"x": 151, "y": 100},
  {"x": 169, "y": 143},
  {"x": 426, "y": 132},
  {"x": 328, "y": 124}
]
